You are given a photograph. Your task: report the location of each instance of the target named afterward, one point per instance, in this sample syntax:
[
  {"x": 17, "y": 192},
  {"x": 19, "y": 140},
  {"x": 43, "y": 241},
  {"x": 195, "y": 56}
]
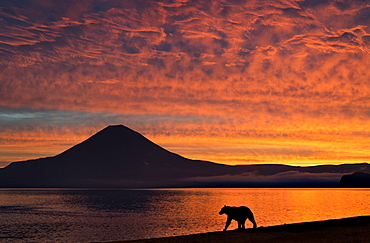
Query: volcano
[
  {"x": 114, "y": 157},
  {"x": 118, "y": 157}
]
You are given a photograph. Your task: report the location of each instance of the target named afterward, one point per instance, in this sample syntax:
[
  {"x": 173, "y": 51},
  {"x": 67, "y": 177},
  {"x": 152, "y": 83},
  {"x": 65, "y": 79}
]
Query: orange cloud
[{"x": 285, "y": 74}]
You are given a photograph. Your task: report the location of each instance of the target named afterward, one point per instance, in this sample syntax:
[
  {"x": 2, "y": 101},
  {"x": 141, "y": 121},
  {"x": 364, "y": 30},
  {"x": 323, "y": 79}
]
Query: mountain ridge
[{"x": 118, "y": 156}]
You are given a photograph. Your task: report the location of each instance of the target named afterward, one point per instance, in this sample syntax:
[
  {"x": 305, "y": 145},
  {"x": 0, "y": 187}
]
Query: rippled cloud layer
[{"x": 230, "y": 81}]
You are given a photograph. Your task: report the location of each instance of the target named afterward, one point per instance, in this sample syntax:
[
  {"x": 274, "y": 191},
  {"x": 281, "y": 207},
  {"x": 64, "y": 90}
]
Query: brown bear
[{"x": 239, "y": 214}]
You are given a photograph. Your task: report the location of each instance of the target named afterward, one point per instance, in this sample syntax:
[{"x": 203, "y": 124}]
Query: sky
[{"x": 228, "y": 81}]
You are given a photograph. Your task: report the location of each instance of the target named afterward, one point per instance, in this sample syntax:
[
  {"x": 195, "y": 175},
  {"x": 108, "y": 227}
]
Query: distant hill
[
  {"x": 355, "y": 180},
  {"x": 120, "y": 157}
]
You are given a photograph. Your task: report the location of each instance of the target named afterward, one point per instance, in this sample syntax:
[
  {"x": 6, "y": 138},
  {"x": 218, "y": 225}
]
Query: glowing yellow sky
[{"x": 237, "y": 82}]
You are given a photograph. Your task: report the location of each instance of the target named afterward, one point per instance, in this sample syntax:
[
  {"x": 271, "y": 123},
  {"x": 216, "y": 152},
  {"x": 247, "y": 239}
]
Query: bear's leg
[
  {"x": 251, "y": 218},
  {"x": 228, "y": 221},
  {"x": 242, "y": 224}
]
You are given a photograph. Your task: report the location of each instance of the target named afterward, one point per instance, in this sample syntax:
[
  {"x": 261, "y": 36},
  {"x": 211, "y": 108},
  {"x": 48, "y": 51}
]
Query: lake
[{"x": 80, "y": 215}]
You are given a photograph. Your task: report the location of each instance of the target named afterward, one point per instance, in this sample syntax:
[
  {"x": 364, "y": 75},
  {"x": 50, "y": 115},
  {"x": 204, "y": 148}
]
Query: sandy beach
[{"x": 354, "y": 229}]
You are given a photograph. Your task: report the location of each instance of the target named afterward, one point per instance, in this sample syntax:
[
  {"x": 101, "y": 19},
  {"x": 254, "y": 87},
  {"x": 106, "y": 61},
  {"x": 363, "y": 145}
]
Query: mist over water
[{"x": 102, "y": 215}]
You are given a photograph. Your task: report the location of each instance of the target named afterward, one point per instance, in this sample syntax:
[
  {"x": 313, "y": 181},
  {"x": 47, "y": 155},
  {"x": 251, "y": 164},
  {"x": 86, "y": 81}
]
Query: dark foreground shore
[{"x": 355, "y": 229}]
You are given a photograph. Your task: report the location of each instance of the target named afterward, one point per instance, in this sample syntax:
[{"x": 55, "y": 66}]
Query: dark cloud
[{"x": 128, "y": 33}]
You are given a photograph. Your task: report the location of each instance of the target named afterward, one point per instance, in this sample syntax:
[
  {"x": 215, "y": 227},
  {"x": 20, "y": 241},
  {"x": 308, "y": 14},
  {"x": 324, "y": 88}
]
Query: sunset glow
[{"x": 228, "y": 81}]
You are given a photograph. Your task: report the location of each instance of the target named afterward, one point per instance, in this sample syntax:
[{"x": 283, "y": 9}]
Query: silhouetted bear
[{"x": 239, "y": 214}]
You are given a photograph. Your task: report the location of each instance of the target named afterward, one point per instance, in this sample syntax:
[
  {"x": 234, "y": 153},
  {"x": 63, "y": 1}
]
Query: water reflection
[
  {"x": 102, "y": 215},
  {"x": 115, "y": 201}
]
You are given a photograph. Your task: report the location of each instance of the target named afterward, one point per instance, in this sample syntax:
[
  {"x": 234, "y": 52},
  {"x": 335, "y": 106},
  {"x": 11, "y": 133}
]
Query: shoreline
[{"x": 353, "y": 229}]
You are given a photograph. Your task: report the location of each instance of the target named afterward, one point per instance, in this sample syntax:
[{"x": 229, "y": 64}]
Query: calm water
[{"x": 102, "y": 215}]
